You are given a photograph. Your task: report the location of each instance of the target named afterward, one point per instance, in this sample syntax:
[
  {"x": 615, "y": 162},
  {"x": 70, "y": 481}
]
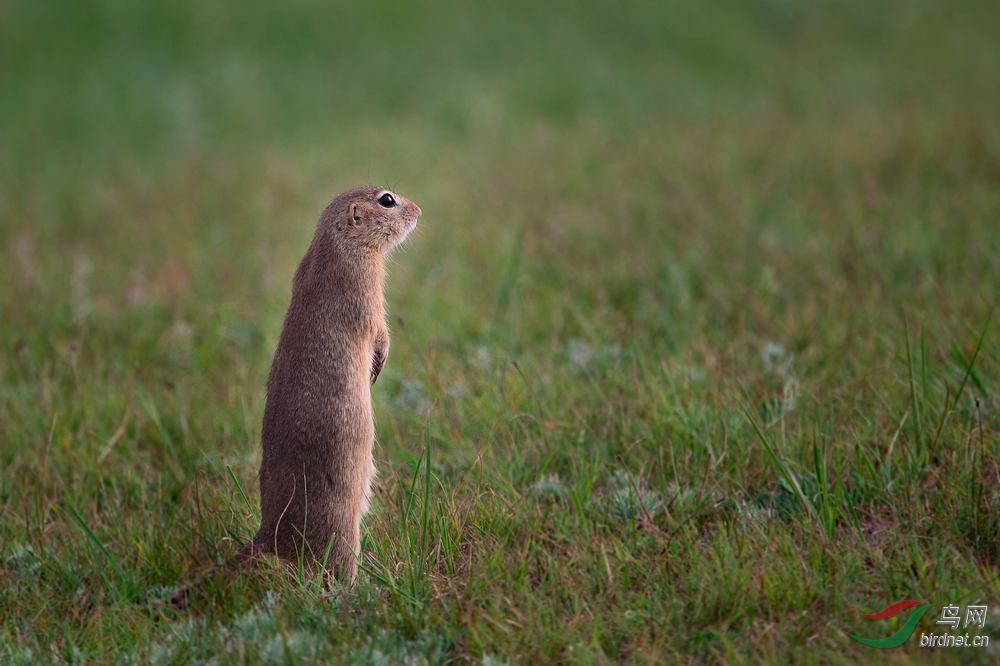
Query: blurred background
[
  {"x": 663, "y": 211},
  {"x": 175, "y": 150}
]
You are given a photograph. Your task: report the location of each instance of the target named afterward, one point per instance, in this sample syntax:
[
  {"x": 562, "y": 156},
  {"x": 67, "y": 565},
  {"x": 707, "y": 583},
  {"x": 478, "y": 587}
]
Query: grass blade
[
  {"x": 780, "y": 464},
  {"x": 239, "y": 488},
  {"x": 100, "y": 546},
  {"x": 917, "y": 429}
]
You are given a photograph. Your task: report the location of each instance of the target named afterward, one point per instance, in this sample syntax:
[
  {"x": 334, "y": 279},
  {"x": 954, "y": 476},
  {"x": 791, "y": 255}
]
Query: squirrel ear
[{"x": 355, "y": 215}]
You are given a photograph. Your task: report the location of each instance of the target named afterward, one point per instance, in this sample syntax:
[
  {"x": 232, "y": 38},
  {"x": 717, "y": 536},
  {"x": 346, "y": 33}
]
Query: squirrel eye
[{"x": 386, "y": 201}]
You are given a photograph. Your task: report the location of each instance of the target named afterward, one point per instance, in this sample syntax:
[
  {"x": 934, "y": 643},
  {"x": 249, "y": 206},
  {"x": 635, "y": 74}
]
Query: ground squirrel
[{"x": 318, "y": 433}]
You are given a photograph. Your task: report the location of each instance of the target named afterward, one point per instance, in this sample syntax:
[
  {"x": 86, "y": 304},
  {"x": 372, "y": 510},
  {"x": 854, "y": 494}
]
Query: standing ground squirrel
[{"x": 318, "y": 433}]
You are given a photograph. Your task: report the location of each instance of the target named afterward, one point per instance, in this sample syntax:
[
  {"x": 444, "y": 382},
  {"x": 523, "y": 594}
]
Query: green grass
[{"x": 695, "y": 353}]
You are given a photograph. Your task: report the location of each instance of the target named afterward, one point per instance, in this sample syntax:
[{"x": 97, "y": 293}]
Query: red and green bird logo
[{"x": 904, "y": 632}]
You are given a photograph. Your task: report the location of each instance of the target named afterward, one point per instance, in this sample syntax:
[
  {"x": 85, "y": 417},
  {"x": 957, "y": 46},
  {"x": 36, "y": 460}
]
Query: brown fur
[{"x": 318, "y": 433}]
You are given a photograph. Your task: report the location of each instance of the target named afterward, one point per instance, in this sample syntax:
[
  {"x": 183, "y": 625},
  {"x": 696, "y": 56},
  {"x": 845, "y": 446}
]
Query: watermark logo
[{"x": 951, "y": 615}]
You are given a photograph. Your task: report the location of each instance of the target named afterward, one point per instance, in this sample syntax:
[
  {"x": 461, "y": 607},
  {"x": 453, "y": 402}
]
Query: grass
[{"x": 695, "y": 351}]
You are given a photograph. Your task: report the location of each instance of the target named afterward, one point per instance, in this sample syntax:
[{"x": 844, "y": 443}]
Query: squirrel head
[{"x": 371, "y": 218}]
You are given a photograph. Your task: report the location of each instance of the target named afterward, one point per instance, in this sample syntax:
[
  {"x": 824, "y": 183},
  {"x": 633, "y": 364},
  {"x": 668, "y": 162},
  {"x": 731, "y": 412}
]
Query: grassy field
[{"x": 695, "y": 356}]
